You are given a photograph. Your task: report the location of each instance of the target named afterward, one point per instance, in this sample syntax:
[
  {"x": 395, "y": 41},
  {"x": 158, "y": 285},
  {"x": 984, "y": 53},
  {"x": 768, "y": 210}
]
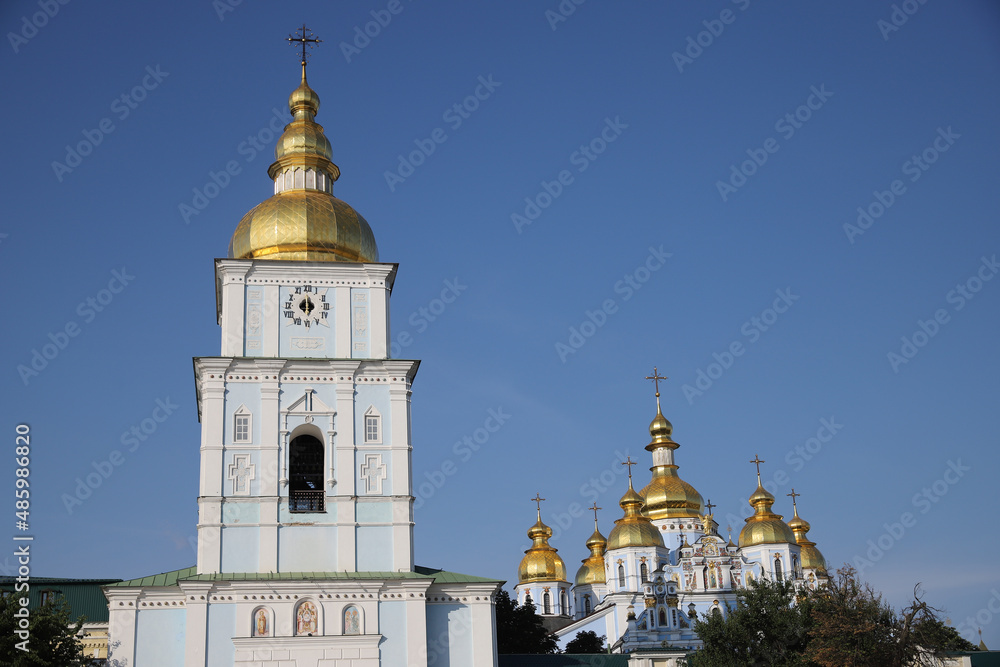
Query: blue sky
[{"x": 697, "y": 167}]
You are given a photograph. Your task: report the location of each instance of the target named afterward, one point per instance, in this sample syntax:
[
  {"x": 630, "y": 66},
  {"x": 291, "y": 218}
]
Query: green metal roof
[
  {"x": 190, "y": 574},
  {"x": 84, "y": 596}
]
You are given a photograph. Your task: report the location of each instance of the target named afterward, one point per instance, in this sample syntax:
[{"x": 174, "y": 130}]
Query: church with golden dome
[
  {"x": 305, "y": 502},
  {"x": 664, "y": 563}
]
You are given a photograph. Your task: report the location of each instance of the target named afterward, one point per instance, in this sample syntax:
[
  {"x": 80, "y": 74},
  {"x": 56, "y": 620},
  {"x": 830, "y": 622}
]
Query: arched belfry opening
[{"x": 305, "y": 474}]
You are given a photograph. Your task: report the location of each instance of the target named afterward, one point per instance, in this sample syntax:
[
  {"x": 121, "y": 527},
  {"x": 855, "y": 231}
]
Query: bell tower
[{"x": 305, "y": 442}]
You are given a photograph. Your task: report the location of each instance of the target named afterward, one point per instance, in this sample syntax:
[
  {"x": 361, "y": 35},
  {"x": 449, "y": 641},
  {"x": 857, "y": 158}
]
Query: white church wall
[
  {"x": 221, "y": 630},
  {"x": 394, "y": 648},
  {"x": 307, "y": 548},
  {"x": 161, "y": 635},
  {"x": 240, "y": 548},
  {"x": 449, "y": 635},
  {"x": 374, "y": 548}
]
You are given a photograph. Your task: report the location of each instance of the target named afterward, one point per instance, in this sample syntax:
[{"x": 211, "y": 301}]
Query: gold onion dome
[
  {"x": 810, "y": 556},
  {"x": 634, "y": 529},
  {"x": 764, "y": 527},
  {"x": 303, "y": 220},
  {"x": 667, "y": 495},
  {"x": 541, "y": 562},
  {"x": 592, "y": 570}
]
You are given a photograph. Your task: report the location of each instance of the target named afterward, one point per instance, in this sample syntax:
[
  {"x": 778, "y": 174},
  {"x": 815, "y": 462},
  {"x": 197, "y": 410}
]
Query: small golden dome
[
  {"x": 541, "y": 562},
  {"x": 798, "y": 524},
  {"x": 633, "y": 529},
  {"x": 810, "y": 556},
  {"x": 592, "y": 570},
  {"x": 667, "y": 495},
  {"x": 764, "y": 527},
  {"x": 303, "y": 220},
  {"x": 659, "y": 430}
]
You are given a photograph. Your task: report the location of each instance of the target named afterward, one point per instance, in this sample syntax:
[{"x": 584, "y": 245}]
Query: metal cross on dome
[
  {"x": 629, "y": 462},
  {"x": 538, "y": 501},
  {"x": 306, "y": 37},
  {"x": 709, "y": 505},
  {"x": 793, "y": 496},
  {"x": 756, "y": 459}
]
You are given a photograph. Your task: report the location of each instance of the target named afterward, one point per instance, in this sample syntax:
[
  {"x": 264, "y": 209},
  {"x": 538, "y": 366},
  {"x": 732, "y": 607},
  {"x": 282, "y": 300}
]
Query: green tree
[
  {"x": 586, "y": 641},
  {"x": 853, "y": 626},
  {"x": 520, "y": 629},
  {"x": 766, "y": 627},
  {"x": 52, "y": 640}
]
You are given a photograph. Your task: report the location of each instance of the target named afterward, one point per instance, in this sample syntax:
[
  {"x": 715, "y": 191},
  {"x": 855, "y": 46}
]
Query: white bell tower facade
[{"x": 305, "y": 446}]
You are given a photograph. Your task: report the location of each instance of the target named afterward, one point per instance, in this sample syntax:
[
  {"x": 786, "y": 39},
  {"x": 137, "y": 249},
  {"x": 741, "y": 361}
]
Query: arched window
[
  {"x": 305, "y": 474},
  {"x": 621, "y": 575},
  {"x": 586, "y": 604},
  {"x": 796, "y": 570},
  {"x": 564, "y": 603},
  {"x": 778, "y": 574},
  {"x": 716, "y": 612},
  {"x": 643, "y": 572},
  {"x": 546, "y": 603},
  {"x": 663, "y": 618}
]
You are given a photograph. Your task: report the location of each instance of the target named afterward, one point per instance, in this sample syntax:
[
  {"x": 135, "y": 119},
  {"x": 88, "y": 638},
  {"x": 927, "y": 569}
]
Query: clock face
[{"x": 306, "y": 306}]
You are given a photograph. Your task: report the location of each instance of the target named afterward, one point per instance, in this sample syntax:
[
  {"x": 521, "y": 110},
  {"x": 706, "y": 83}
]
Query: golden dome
[
  {"x": 764, "y": 527},
  {"x": 304, "y": 225},
  {"x": 810, "y": 556},
  {"x": 303, "y": 220},
  {"x": 667, "y": 495},
  {"x": 633, "y": 529},
  {"x": 592, "y": 570},
  {"x": 541, "y": 562}
]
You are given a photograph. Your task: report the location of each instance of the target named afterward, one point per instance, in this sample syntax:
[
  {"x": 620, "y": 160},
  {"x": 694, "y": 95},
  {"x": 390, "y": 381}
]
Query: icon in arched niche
[
  {"x": 352, "y": 621},
  {"x": 305, "y": 619},
  {"x": 260, "y": 624}
]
